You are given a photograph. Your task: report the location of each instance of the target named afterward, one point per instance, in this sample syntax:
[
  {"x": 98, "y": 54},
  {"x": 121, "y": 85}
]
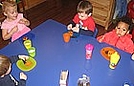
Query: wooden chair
[
  {"x": 103, "y": 12},
  {"x": 95, "y": 32},
  {"x": 21, "y": 6}
]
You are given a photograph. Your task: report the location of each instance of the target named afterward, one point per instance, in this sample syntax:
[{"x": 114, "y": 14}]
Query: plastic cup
[
  {"x": 27, "y": 44},
  {"x": 32, "y": 51},
  {"x": 114, "y": 59},
  {"x": 66, "y": 37},
  {"x": 89, "y": 50}
]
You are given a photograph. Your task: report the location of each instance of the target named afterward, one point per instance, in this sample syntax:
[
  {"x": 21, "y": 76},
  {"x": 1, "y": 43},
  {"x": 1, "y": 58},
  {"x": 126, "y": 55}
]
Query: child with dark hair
[
  {"x": 120, "y": 37},
  {"x": 6, "y": 79},
  {"x": 82, "y": 22}
]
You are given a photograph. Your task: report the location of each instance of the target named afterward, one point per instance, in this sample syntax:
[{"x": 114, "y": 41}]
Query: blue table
[{"x": 54, "y": 55}]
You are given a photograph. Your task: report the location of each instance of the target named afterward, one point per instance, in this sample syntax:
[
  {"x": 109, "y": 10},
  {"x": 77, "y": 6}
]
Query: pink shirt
[{"x": 22, "y": 29}]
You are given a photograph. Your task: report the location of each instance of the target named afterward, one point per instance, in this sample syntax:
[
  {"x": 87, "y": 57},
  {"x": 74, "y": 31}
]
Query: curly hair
[
  {"x": 8, "y": 3},
  {"x": 126, "y": 20}
]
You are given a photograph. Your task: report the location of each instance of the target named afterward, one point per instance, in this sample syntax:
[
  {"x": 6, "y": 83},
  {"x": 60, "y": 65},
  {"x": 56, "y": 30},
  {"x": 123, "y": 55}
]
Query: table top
[{"x": 54, "y": 55}]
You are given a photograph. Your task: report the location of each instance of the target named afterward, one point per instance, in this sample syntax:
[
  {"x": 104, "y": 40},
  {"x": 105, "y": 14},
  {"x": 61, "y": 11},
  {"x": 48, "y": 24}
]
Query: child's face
[
  {"x": 11, "y": 13},
  {"x": 83, "y": 16},
  {"x": 122, "y": 29}
]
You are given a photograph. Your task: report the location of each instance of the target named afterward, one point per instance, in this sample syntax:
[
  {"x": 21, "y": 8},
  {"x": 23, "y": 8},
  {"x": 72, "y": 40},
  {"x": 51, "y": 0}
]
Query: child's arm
[
  {"x": 76, "y": 28},
  {"x": 7, "y": 35},
  {"x": 23, "y": 78},
  {"x": 24, "y": 21},
  {"x": 17, "y": 57},
  {"x": 100, "y": 38},
  {"x": 71, "y": 25}
]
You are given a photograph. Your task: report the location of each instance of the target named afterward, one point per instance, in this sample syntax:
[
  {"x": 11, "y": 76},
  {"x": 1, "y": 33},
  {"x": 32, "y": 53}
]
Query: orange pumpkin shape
[{"x": 107, "y": 52}]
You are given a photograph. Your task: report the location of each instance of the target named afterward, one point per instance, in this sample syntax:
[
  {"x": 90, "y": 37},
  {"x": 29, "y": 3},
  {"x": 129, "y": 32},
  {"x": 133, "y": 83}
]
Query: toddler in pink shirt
[{"x": 15, "y": 25}]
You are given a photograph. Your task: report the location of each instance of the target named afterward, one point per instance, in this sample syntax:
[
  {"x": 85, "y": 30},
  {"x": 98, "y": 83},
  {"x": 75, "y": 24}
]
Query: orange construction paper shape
[
  {"x": 106, "y": 52},
  {"x": 28, "y": 65}
]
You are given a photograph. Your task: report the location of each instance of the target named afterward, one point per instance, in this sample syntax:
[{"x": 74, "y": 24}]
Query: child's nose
[{"x": 120, "y": 31}]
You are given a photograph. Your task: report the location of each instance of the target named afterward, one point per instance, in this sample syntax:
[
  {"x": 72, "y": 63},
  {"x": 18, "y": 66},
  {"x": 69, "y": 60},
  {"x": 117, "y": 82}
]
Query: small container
[
  {"x": 89, "y": 50},
  {"x": 66, "y": 37},
  {"x": 114, "y": 59},
  {"x": 27, "y": 44},
  {"x": 84, "y": 81},
  {"x": 32, "y": 51},
  {"x": 64, "y": 78}
]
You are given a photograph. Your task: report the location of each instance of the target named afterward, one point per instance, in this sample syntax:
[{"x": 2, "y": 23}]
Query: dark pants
[
  {"x": 83, "y": 32},
  {"x": 86, "y": 32}
]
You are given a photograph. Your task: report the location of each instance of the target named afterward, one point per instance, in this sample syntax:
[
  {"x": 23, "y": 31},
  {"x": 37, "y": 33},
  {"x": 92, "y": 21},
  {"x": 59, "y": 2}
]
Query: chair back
[{"x": 95, "y": 32}]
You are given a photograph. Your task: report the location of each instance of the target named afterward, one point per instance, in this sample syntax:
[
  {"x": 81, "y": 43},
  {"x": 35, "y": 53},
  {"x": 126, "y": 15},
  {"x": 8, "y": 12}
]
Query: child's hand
[
  {"x": 69, "y": 27},
  {"x": 23, "y": 76},
  {"x": 15, "y": 29},
  {"x": 132, "y": 57},
  {"x": 101, "y": 39},
  {"x": 22, "y": 21},
  {"x": 75, "y": 29},
  {"x": 84, "y": 28},
  {"x": 23, "y": 57}
]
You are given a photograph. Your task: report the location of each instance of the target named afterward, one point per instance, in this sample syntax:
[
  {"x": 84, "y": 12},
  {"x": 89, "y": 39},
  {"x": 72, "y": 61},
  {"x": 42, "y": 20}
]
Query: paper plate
[
  {"x": 106, "y": 52},
  {"x": 29, "y": 65}
]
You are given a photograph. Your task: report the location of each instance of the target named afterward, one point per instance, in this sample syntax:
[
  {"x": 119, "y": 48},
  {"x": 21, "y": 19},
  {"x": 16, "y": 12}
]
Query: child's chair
[
  {"x": 95, "y": 32},
  {"x": 130, "y": 14},
  {"x": 133, "y": 35}
]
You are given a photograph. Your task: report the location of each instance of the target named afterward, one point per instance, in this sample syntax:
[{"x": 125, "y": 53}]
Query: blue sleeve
[
  {"x": 14, "y": 59},
  {"x": 22, "y": 82}
]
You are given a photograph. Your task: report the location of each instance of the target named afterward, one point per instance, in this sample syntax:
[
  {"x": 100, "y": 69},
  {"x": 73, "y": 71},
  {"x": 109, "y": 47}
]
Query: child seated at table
[
  {"x": 120, "y": 37},
  {"x": 82, "y": 23},
  {"x": 15, "y": 25},
  {"x": 6, "y": 79}
]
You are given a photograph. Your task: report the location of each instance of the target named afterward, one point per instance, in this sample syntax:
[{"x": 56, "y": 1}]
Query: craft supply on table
[
  {"x": 84, "y": 81},
  {"x": 66, "y": 37},
  {"x": 114, "y": 59},
  {"x": 64, "y": 75},
  {"x": 89, "y": 50},
  {"x": 32, "y": 51},
  {"x": 26, "y": 65},
  {"x": 27, "y": 44},
  {"x": 106, "y": 52}
]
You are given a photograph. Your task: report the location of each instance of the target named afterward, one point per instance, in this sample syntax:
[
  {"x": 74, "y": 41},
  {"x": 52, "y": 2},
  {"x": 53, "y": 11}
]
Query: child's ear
[
  {"x": 128, "y": 32},
  {"x": 116, "y": 28},
  {"x": 89, "y": 14},
  {"x": 5, "y": 14}
]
